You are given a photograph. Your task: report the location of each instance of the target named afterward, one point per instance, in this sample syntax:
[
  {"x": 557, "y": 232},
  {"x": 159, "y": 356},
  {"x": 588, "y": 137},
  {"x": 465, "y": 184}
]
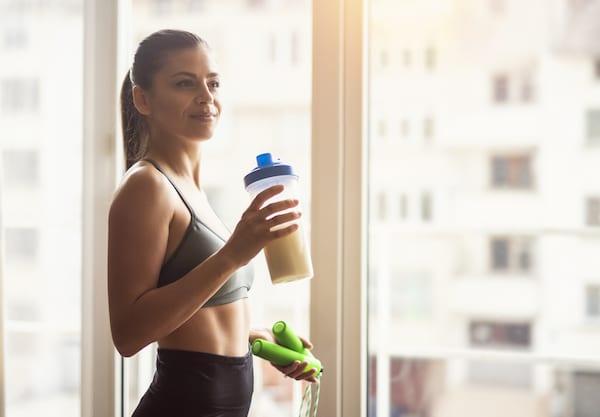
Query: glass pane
[
  {"x": 482, "y": 205},
  {"x": 263, "y": 52},
  {"x": 40, "y": 166}
]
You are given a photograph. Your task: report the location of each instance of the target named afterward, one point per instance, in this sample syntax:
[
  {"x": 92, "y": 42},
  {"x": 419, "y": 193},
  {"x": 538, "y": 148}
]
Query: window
[
  {"x": 295, "y": 48},
  {"x": 405, "y": 128},
  {"x": 382, "y": 128},
  {"x": 527, "y": 89},
  {"x": 511, "y": 254},
  {"x": 428, "y": 128},
  {"x": 426, "y": 207},
  {"x": 21, "y": 168},
  {"x": 586, "y": 398},
  {"x": 41, "y": 193},
  {"x": 592, "y": 211},
  {"x": 500, "y": 335},
  {"x": 272, "y": 48},
  {"x": 382, "y": 208},
  {"x": 511, "y": 171},
  {"x": 20, "y": 95},
  {"x": 383, "y": 58},
  {"x": 15, "y": 37},
  {"x": 430, "y": 58},
  {"x": 500, "y": 88},
  {"x": 410, "y": 291},
  {"x": 406, "y": 58},
  {"x": 597, "y": 68},
  {"x": 403, "y": 207},
  {"x": 493, "y": 225},
  {"x": 275, "y": 46},
  {"x": 592, "y": 301},
  {"x": 593, "y": 126},
  {"x": 22, "y": 244}
]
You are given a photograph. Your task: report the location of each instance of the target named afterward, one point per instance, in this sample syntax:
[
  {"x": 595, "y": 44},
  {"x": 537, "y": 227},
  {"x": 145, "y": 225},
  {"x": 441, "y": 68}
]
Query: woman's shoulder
[{"x": 142, "y": 187}]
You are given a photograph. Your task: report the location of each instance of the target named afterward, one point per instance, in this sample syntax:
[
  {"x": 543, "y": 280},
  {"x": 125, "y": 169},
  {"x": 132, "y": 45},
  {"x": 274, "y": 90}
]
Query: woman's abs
[{"x": 221, "y": 330}]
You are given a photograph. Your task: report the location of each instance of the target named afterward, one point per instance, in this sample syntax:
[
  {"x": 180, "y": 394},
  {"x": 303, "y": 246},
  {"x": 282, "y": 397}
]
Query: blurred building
[{"x": 484, "y": 134}]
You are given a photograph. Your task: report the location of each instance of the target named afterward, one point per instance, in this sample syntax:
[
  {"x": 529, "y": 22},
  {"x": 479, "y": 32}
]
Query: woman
[{"x": 175, "y": 273}]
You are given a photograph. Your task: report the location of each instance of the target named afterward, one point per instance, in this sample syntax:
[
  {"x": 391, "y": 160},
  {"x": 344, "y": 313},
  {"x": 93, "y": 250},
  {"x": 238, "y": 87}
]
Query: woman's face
[{"x": 184, "y": 98}]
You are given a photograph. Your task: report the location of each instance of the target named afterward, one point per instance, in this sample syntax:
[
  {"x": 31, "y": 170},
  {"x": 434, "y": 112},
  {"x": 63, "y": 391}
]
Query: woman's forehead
[{"x": 198, "y": 61}]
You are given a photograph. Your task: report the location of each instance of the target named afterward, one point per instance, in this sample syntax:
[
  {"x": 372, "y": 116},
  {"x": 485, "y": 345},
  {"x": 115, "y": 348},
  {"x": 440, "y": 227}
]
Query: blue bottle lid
[{"x": 267, "y": 168}]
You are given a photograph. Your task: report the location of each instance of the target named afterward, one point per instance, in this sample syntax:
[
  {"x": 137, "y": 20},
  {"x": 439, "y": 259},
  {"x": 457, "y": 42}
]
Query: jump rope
[{"x": 289, "y": 348}]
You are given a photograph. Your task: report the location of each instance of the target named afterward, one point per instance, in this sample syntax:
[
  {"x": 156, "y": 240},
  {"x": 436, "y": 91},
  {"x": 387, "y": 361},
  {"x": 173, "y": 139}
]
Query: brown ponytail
[{"x": 148, "y": 59}]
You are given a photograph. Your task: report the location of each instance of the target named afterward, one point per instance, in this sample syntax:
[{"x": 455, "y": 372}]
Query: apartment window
[
  {"x": 295, "y": 48},
  {"x": 597, "y": 68},
  {"x": 430, "y": 58},
  {"x": 511, "y": 171},
  {"x": 22, "y": 244},
  {"x": 406, "y": 58},
  {"x": 592, "y": 301},
  {"x": 499, "y": 335},
  {"x": 593, "y": 211},
  {"x": 511, "y": 254},
  {"x": 527, "y": 89},
  {"x": 403, "y": 206},
  {"x": 500, "y": 88},
  {"x": 593, "y": 125},
  {"x": 20, "y": 95},
  {"x": 21, "y": 168},
  {"x": 586, "y": 399},
  {"x": 15, "y": 37},
  {"x": 426, "y": 207},
  {"x": 428, "y": 128},
  {"x": 272, "y": 48},
  {"x": 382, "y": 128},
  {"x": 383, "y": 58},
  {"x": 405, "y": 128},
  {"x": 382, "y": 206},
  {"x": 411, "y": 292}
]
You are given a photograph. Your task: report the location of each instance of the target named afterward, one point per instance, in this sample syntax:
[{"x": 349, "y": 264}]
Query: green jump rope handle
[
  {"x": 283, "y": 356},
  {"x": 286, "y": 336}
]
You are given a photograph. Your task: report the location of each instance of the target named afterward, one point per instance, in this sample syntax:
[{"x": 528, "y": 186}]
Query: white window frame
[{"x": 339, "y": 212}]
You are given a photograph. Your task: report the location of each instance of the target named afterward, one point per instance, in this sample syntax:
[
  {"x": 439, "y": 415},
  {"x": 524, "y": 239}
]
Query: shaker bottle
[{"x": 288, "y": 257}]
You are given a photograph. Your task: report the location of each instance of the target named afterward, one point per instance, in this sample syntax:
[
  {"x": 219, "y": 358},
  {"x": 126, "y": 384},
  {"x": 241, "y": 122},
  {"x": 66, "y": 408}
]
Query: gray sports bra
[{"x": 198, "y": 243}]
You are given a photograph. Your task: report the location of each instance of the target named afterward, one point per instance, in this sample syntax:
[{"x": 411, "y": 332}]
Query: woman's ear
[{"x": 140, "y": 101}]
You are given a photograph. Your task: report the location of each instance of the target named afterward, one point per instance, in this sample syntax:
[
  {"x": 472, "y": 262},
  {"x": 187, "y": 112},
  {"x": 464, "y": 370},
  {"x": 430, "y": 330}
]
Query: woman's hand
[
  {"x": 293, "y": 370},
  {"x": 253, "y": 231}
]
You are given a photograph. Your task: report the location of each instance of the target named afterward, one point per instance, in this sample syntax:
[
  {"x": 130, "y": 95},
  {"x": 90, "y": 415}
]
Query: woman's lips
[{"x": 203, "y": 117}]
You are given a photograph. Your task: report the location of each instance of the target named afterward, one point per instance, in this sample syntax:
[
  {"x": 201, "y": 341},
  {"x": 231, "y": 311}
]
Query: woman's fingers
[
  {"x": 306, "y": 343},
  {"x": 263, "y": 196}
]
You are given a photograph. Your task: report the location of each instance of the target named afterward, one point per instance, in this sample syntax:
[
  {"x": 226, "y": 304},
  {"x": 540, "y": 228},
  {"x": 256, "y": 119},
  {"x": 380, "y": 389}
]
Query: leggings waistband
[{"x": 189, "y": 358}]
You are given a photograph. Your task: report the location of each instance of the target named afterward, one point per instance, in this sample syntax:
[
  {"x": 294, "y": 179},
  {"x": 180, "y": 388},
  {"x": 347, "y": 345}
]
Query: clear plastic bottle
[{"x": 288, "y": 258}]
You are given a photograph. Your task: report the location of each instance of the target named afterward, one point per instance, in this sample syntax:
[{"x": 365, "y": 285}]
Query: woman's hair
[{"x": 149, "y": 57}]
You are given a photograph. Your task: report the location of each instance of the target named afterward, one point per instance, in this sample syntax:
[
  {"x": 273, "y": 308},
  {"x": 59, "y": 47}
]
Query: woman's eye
[
  {"x": 215, "y": 84},
  {"x": 184, "y": 83}
]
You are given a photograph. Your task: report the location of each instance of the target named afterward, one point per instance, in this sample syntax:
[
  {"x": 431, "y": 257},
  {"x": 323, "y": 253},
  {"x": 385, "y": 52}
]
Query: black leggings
[{"x": 198, "y": 384}]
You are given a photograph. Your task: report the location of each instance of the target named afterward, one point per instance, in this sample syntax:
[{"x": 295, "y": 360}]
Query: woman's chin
[{"x": 201, "y": 136}]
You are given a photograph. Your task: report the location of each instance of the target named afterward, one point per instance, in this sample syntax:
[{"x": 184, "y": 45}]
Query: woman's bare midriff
[{"x": 221, "y": 330}]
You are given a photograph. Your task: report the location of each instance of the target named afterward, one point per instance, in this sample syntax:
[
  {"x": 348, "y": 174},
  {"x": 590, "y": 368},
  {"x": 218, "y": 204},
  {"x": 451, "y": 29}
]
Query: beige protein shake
[{"x": 288, "y": 258}]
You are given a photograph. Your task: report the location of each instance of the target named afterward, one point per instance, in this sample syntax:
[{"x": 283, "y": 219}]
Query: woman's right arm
[{"x": 139, "y": 218}]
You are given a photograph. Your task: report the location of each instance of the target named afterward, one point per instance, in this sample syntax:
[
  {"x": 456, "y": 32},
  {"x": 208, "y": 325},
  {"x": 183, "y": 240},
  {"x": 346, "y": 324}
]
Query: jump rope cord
[{"x": 307, "y": 399}]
